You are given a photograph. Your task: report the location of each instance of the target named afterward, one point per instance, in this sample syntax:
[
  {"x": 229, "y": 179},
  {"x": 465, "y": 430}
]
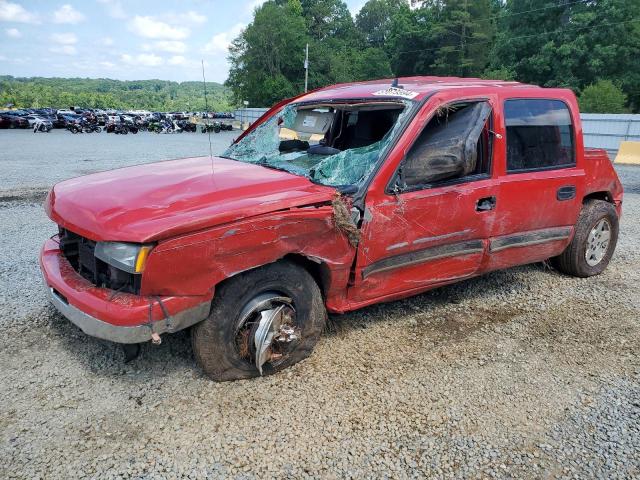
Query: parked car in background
[
  {"x": 16, "y": 119},
  {"x": 5, "y": 121}
]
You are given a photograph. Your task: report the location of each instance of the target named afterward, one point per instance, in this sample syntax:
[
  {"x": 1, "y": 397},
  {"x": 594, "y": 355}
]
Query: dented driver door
[{"x": 431, "y": 224}]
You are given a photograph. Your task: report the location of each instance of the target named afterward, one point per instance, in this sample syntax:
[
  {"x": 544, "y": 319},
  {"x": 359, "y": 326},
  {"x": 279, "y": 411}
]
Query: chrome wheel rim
[
  {"x": 266, "y": 331},
  {"x": 598, "y": 242}
]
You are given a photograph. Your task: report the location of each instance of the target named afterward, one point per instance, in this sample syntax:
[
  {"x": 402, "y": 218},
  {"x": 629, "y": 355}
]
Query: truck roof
[{"x": 410, "y": 87}]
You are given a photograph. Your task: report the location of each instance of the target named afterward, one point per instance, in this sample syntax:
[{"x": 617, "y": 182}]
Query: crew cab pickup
[{"x": 339, "y": 198}]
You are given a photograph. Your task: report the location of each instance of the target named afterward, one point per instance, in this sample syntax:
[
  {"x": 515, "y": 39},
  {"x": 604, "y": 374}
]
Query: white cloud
[
  {"x": 114, "y": 9},
  {"x": 64, "y": 49},
  {"x": 13, "y": 33},
  {"x": 221, "y": 41},
  {"x": 149, "y": 27},
  {"x": 166, "y": 46},
  {"x": 192, "y": 17},
  {"x": 64, "y": 38},
  {"x": 177, "y": 60},
  {"x": 106, "y": 64},
  {"x": 144, "y": 59},
  {"x": 107, "y": 41},
  {"x": 67, "y": 14},
  {"x": 12, "y": 12}
]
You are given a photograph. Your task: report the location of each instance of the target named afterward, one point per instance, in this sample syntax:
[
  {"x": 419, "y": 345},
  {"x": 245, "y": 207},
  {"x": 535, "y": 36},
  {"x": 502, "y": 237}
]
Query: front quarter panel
[{"x": 193, "y": 264}]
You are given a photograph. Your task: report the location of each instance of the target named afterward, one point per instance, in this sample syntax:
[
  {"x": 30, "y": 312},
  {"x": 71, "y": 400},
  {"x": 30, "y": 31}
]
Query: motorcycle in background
[
  {"x": 117, "y": 128},
  {"x": 91, "y": 127},
  {"x": 41, "y": 126}
]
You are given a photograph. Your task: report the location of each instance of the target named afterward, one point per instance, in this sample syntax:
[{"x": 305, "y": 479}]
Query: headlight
[{"x": 129, "y": 257}]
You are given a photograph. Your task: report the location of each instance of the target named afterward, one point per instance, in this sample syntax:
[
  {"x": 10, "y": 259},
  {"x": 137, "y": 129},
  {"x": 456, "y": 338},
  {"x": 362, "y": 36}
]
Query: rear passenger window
[{"x": 539, "y": 135}]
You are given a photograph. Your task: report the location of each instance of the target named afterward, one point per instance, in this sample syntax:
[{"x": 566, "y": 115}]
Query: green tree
[
  {"x": 375, "y": 19},
  {"x": 411, "y": 42},
  {"x": 603, "y": 97},
  {"x": 267, "y": 57},
  {"x": 571, "y": 44},
  {"x": 463, "y": 31},
  {"x": 328, "y": 19}
]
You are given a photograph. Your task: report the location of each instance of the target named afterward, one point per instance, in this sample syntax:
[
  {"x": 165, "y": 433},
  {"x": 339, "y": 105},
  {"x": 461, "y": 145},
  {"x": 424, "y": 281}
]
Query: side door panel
[
  {"x": 537, "y": 209},
  {"x": 420, "y": 239},
  {"x": 533, "y": 221}
]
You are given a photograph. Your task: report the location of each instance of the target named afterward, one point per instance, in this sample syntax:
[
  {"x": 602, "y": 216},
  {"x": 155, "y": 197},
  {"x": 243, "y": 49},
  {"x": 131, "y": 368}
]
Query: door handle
[
  {"x": 485, "y": 204},
  {"x": 567, "y": 192}
]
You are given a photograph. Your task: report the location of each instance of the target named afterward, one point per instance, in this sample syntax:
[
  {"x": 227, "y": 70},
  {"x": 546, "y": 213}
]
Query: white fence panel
[{"x": 604, "y": 130}]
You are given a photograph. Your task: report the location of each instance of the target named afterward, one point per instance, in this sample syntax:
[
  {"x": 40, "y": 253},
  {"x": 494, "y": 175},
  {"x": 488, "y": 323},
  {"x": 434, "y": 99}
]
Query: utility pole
[{"x": 306, "y": 68}]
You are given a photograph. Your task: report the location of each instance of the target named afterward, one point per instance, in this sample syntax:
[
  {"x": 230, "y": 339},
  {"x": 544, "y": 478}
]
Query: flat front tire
[
  {"x": 235, "y": 342},
  {"x": 594, "y": 241}
]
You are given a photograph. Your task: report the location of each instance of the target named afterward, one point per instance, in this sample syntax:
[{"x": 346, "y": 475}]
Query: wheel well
[
  {"x": 598, "y": 196},
  {"x": 317, "y": 269}
]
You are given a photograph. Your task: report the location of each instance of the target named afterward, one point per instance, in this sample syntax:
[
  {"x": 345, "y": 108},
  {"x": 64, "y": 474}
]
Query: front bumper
[{"x": 118, "y": 317}]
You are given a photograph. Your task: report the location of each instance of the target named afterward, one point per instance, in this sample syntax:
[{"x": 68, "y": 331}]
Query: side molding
[
  {"x": 424, "y": 255},
  {"x": 525, "y": 239}
]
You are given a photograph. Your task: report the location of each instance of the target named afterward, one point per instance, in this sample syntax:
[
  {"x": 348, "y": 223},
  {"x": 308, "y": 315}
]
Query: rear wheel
[
  {"x": 261, "y": 322},
  {"x": 594, "y": 242}
]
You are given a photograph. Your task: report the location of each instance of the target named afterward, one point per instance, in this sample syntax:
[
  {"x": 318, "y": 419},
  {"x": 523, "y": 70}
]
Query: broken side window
[
  {"x": 454, "y": 144},
  {"x": 332, "y": 144}
]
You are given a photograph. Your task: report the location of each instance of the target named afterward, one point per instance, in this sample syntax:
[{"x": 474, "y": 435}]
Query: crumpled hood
[{"x": 160, "y": 200}]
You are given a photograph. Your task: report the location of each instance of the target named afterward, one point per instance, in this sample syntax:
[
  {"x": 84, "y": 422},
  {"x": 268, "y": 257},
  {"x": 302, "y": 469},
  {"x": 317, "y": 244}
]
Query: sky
[{"x": 125, "y": 40}]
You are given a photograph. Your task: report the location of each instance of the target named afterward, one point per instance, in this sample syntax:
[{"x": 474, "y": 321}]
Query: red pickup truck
[{"x": 336, "y": 199}]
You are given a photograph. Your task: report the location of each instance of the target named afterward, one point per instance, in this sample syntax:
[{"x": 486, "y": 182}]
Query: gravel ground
[{"x": 523, "y": 373}]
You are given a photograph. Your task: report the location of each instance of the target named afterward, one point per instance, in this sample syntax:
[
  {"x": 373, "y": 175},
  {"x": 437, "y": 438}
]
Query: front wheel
[
  {"x": 261, "y": 322},
  {"x": 594, "y": 242}
]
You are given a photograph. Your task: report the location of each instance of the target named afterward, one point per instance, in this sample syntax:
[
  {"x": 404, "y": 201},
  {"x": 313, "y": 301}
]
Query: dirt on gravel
[{"x": 522, "y": 373}]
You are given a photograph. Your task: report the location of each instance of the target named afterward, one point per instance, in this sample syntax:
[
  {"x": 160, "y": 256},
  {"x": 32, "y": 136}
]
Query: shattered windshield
[{"x": 332, "y": 144}]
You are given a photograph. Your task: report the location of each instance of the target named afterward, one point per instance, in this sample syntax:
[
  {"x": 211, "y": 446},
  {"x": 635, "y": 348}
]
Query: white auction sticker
[
  {"x": 309, "y": 121},
  {"x": 396, "y": 92}
]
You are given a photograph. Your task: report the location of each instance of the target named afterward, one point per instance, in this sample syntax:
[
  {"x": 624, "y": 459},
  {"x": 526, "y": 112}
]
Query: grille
[{"x": 80, "y": 252}]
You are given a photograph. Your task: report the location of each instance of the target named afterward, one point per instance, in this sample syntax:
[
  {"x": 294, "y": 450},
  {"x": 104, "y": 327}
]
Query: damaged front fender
[{"x": 199, "y": 261}]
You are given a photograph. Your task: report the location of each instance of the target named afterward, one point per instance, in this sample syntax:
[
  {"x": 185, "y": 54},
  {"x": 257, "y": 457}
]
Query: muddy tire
[
  {"x": 594, "y": 242},
  {"x": 221, "y": 342}
]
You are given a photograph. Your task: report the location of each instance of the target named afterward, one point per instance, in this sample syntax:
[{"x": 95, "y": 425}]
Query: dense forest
[
  {"x": 591, "y": 46},
  {"x": 104, "y": 93}
]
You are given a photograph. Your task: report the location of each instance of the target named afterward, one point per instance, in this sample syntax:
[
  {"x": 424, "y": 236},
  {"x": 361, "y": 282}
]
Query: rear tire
[
  {"x": 218, "y": 343},
  {"x": 594, "y": 241}
]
